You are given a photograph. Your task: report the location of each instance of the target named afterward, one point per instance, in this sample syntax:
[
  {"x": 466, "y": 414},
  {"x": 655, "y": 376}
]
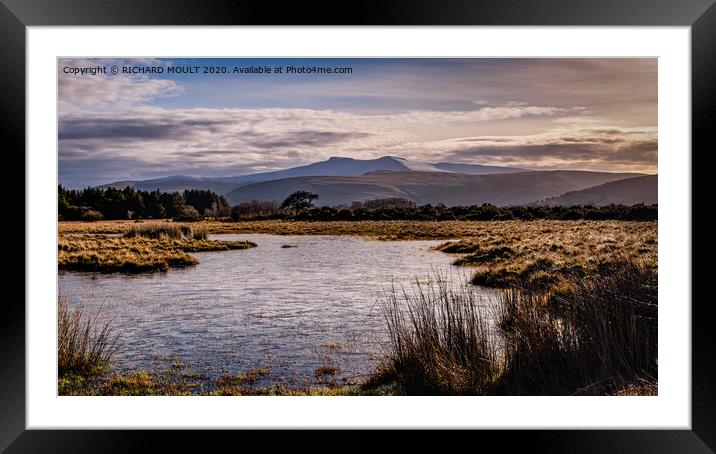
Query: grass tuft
[
  {"x": 157, "y": 231},
  {"x": 440, "y": 342},
  {"x": 84, "y": 346}
]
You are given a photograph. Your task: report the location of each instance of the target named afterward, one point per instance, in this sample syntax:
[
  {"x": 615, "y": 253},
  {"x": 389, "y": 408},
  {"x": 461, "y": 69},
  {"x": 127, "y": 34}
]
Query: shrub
[
  {"x": 187, "y": 213},
  {"x": 91, "y": 215}
]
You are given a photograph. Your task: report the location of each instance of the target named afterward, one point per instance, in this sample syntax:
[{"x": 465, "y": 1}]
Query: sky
[{"x": 155, "y": 121}]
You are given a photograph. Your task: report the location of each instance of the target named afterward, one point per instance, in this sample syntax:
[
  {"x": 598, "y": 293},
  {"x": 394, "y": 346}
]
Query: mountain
[
  {"x": 476, "y": 169},
  {"x": 430, "y": 187},
  {"x": 630, "y": 191},
  {"x": 335, "y": 166}
]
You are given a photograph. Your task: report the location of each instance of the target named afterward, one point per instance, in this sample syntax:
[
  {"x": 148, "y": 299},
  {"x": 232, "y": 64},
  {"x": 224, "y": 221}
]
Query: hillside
[
  {"x": 430, "y": 187},
  {"x": 630, "y": 191}
]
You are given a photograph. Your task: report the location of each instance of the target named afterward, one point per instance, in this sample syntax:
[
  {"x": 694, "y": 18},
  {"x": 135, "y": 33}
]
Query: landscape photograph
[{"x": 357, "y": 227}]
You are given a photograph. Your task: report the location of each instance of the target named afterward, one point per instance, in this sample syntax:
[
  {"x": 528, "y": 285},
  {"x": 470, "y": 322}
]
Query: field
[{"x": 578, "y": 302}]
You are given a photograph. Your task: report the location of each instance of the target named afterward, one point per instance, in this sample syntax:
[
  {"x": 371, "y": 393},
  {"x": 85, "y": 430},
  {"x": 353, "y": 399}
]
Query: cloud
[
  {"x": 83, "y": 93},
  {"x": 565, "y": 147},
  {"x": 132, "y": 128},
  {"x": 597, "y": 114},
  {"x": 153, "y": 141},
  {"x": 199, "y": 137}
]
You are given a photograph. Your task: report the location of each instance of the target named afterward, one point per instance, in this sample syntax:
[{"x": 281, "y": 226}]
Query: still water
[{"x": 289, "y": 309}]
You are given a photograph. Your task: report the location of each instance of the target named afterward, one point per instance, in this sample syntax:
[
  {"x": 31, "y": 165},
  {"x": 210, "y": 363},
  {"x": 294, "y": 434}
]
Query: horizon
[{"x": 537, "y": 114}]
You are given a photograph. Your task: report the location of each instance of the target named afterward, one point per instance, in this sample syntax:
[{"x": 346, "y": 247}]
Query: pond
[{"x": 292, "y": 305}]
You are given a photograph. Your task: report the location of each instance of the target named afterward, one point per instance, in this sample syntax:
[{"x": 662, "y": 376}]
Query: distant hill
[
  {"x": 335, "y": 166},
  {"x": 177, "y": 183},
  {"x": 430, "y": 187},
  {"x": 630, "y": 191},
  {"x": 476, "y": 169}
]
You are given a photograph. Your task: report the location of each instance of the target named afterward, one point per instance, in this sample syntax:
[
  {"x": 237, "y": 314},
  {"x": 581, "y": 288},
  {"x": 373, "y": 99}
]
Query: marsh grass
[
  {"x": 440, "y": 341},
  {"x": 158, "y": 231},
  {"x": 544, "y": 231},
  {"x": 84, "y": 345},
  {"x": 596, "y": 337},
  {"x": 546, "y": 255},
  {"x": 137, "y": 253}
]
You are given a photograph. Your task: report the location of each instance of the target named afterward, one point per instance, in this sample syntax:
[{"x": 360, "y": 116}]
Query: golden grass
[
  {"x": 385, "y": 230},
  {"x": 134, "y": 254},
  {"x": 548, "y": 254}
]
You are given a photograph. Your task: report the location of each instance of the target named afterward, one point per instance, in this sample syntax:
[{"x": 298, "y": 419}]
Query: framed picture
[{"x": 414, "y": 217}]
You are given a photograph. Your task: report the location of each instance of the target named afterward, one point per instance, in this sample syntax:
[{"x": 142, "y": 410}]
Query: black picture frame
[{"x": 16, "y": 15}]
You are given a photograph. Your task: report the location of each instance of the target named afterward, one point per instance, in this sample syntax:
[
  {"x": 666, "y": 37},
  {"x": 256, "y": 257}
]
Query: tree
[{"x": 299, "y": 201}]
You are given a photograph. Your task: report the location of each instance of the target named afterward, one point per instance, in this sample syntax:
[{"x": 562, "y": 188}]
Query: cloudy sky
[{"x": 590, "y": 114}]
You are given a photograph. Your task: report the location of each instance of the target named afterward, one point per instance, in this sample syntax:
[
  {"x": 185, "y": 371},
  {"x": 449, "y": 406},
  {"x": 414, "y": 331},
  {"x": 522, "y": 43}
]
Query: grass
[
  {"x": 596, "y": 337},
  {"x": 166, "y": 231},
  {"x": 142, "y": 248},
  {"x": 549, "y": 254},
  {"x": 440, "y": 342},
  {"x": 388, "y": 230},
  {"x": 84, "y": 347},
  {"x": 145, "y": 383}
]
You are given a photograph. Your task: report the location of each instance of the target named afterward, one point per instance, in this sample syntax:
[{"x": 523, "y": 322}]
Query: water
[{"x": 291, "y": 310}]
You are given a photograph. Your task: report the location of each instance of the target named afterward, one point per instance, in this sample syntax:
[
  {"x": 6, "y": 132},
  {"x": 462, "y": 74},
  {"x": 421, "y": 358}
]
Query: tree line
[
  {"x": 193, "y": 204},
  {"x": 300, "y": 206},
  {"x": 92, "y": 204},
  {"x": 484, "y": 212}
]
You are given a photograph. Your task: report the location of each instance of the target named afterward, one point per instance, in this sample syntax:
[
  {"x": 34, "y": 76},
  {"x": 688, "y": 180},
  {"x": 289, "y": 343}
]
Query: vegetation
[
  {"x": 397, "y": 230},
  {"x": 256, "y": 209},
  {"x": 84, "y": 346},
  {"x": 596, "y": 337},
  {"x": 440, "y": 342},
  {"x": 485, "y": 212},
  {"x": 93, "y": 204},
  {"x": 402, "y": 209},
  {"x": 166, "y": 231},
  {"x": 299, "y": 201},
  {"x": 142, "y": 248},
  {"x": 540, "y": 255},
  {"x": 144, "y": 383}
]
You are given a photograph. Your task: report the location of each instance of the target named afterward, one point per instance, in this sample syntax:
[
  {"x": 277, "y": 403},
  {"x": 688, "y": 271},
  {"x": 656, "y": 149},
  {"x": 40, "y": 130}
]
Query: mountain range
[{"x": 341, "y": 181}]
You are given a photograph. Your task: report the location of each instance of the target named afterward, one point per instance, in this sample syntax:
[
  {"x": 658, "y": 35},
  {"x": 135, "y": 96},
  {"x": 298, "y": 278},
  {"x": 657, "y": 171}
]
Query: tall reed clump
[
  {"x": 596, "y": 336},
  {"x": 440, "y": 342},
  {"x": 166, "y": 231},
  {"x": 84, "y": 345}
]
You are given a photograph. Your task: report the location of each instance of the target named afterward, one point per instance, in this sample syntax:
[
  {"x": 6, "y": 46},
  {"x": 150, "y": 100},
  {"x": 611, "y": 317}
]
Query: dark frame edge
[
  {"x": 12, "y": 322},
  {"x": 703, "y": 107}
]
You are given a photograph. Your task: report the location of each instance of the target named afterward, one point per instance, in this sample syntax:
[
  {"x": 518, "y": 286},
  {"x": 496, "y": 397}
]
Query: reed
[
  {"x": 598, "y": 336},
  {"x": 84, "y": 345},
  {"x": 439, "y": 340}
]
